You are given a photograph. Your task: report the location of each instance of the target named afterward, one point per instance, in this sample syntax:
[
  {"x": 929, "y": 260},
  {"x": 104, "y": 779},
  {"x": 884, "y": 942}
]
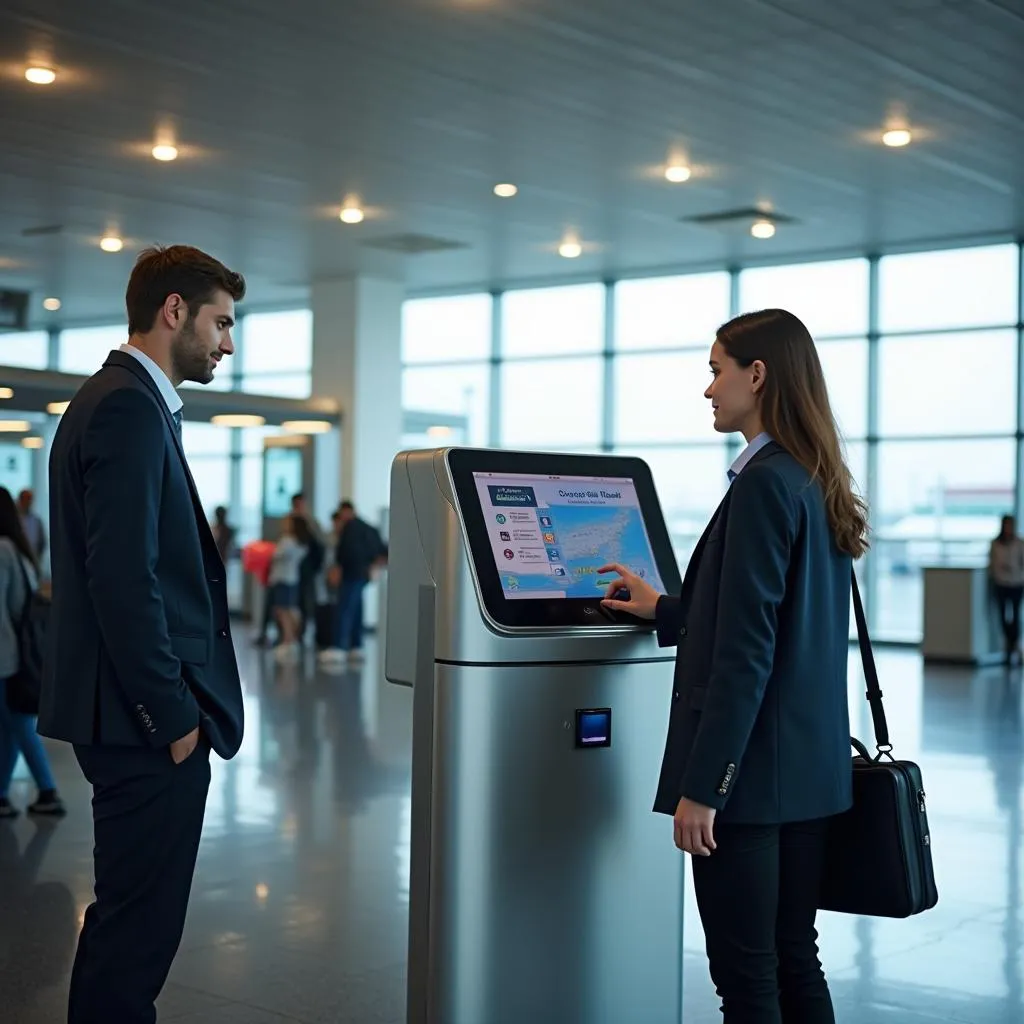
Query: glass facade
[{"x": 920, "y": 352}]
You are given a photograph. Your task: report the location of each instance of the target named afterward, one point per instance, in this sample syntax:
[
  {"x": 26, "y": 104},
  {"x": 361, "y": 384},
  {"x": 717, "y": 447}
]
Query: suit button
[
  {"x": 675, "y": 696},
  {"x": 222, "y": 633},
  {"x": 682, "y": 632}
]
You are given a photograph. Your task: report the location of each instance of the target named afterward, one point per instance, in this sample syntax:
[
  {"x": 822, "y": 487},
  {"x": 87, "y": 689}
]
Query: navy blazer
[
  {"x": 139, "y": 645},
  {"x": 759, "y": 726}
]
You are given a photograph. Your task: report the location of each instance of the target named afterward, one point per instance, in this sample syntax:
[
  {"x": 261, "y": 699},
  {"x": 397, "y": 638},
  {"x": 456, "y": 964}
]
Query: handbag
[
  {"x": 24, "y": 688},
  {"x": 878, "y": 859}
]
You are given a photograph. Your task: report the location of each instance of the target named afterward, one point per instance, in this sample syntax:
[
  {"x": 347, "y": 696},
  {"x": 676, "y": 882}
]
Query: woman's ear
[{"x": 759, "y": 373}]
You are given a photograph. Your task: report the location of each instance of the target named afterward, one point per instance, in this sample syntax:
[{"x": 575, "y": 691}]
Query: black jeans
[
  {"x": 1008, "y": 602},
  {"x": 148, "y": 816},
  {"x": 758, "y": 898}
]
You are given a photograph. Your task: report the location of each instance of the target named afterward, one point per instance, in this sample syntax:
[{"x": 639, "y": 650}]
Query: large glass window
[
  {"x": 845, "y": 365},
  {"x": 277, "y": 353},
  {"x": 925, "y": 291},
  {"x": 553, "y": 321},
  {"x": 948, "y": 384},
  {"x": 462, "y": 391},
  {"x": 29, "y": 349},
  {"x": 552, "y": 403},
  {"x": 690, "y": 482},
  {"x": 830, "y": 298},
  {"x": 661, "y": 398},
  {"x": 671, "y": 312},
  {"x": 938, "y": 503},
  {"x": 455, "y": 328},
  {"x": 85, "y": 349}
]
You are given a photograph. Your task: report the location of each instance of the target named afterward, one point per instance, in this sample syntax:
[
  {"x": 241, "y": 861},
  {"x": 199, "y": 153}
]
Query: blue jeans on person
[
  {"x": 18, "y": 734},
  {"x": 348, "y": 616}
]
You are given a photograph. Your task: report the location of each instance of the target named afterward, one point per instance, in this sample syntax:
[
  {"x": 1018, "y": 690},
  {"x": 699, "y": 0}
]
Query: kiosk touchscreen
[{"x": 541, "y": 526}]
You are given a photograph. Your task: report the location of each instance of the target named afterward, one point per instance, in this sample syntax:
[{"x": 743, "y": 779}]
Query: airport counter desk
[{"x": 960, "y": 620}]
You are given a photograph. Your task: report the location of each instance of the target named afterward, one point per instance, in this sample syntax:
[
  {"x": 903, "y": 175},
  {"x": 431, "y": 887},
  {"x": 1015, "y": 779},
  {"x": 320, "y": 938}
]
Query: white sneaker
[
  {"x": 331, "y": 655},
  {"x": 286, "y": 653}
]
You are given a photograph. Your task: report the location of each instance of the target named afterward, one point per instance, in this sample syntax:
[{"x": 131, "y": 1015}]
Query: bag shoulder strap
[{"x": 867, "y": 657}]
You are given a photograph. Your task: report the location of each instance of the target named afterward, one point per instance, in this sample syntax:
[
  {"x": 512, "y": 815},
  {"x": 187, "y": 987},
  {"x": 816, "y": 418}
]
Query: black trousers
[
  {"x": 147, "y": 816},
  {"x": 1008, "y": 601},
  {"x": 758, "y": 896}
]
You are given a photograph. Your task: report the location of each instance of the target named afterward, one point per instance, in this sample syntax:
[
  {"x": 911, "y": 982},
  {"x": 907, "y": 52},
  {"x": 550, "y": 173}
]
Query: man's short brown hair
[{"x": 175, "y": 270}]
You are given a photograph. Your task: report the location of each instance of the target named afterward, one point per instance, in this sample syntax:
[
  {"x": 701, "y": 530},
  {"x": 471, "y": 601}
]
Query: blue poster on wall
[
  {"x": 15, "y": 468},
  {"x": 282, "y": 477}
]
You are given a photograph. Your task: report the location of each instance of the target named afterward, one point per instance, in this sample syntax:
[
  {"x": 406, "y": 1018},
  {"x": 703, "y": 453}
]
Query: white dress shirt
[
  {"x": 748, "y": 453},
  {"x": 162, "y": 381}
]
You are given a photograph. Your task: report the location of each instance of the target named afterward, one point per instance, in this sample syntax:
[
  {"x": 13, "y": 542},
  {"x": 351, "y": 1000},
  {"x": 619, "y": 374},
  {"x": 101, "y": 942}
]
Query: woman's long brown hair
[{"x": 795, "y": 410}]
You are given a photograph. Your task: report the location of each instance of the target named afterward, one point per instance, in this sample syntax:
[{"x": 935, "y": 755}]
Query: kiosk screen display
[
  {"x": 540, "y": 525},
  {"x": 550, "y": 534}
]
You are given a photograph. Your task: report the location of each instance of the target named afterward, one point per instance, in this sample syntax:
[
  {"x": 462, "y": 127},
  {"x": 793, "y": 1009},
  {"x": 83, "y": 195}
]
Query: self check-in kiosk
[{"x": 543, "y": 889}]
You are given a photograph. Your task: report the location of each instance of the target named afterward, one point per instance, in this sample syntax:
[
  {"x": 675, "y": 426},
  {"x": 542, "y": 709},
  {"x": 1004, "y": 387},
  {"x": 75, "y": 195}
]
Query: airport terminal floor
[{"x": 300, "y": 902}]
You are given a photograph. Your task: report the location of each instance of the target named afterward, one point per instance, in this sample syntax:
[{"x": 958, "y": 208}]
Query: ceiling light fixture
[
  {"x": 57, "y": 408},
  {"x": 111, "y": 243},
  {"x": 506, "y": 190},
  {"x": 351, "y": 211},
  {"x": 6, "y": 393},
  {"x": 15, "y": 426},
  {"x": 237, "y": 419},
  {"x": 570, "y": 247},
  {"x": 32, "y": 442},
  {"x": 51, "y": 304},
  {"x": 897, "y": 137},
  {"x": 763, "y": 228},
  {"x": 165, "y": 152},
  {"x": 307, "y": 426},
  {"x": 40, "y": 74},
  {"x": 677, "y": 173}
]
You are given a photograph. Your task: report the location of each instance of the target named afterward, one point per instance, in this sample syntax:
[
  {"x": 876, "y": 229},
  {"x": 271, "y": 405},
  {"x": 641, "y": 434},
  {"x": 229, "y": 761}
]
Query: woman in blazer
[{"x": 758, "y": 752}]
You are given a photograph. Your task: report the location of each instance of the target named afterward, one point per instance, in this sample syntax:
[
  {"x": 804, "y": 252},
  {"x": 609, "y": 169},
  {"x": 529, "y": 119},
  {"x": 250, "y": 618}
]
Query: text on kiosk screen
[{"x": 550, "y": 534}]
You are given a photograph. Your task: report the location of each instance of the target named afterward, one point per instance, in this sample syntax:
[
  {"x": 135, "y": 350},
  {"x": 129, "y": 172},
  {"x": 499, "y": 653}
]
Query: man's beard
[{"x": 190, "y": 358}]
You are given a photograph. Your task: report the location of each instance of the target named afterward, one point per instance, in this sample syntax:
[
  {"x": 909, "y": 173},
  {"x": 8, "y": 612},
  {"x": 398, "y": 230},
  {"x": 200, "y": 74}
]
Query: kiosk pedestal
[{"x": 543, "y": 888}]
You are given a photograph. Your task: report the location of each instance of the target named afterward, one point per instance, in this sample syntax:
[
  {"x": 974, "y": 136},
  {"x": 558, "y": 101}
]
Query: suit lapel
[{"x": 132, "y": 364}]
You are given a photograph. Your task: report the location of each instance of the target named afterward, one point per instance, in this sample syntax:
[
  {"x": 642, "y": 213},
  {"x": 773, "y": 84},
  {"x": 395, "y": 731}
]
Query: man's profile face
[{"x": 203, "y": 340}]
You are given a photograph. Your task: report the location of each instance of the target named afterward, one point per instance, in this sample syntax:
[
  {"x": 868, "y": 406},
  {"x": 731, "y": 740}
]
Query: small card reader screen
[{"x": 594, "y": 727}]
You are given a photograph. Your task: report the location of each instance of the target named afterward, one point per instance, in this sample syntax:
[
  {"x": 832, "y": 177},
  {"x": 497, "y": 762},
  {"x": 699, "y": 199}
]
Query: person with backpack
[{"x": 19, "y": 698}]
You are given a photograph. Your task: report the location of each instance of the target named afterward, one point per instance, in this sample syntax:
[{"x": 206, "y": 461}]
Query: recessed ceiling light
[
  {"x": 40, "y": 74},
  {"x": 14, "y": 426},
  {"x": 51, "y": 304},
  {"x": 57, "y": 408},
  {"x": 506, "y": 190},
  {"x": 165, "y": 152},
  {"x": 239, "y": 419},
  {"x": 570, "y": 247},
  {"x": 678, "y": 173},
  {"x": 111, "y": 243},
  {"x": 896, "y": 137},
  {"x": 6, "y": 392},
  {"x": 351, "y": 210},
  {"x": 763, "y": 228},
  {"x": 306, "y": 426},
  {"x": 32, "y": 442}
]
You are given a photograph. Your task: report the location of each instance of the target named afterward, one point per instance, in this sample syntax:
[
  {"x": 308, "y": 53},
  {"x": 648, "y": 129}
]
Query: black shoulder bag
[
  {"x": 879, "y": 856},
  {"x": 25, "y": 686}
]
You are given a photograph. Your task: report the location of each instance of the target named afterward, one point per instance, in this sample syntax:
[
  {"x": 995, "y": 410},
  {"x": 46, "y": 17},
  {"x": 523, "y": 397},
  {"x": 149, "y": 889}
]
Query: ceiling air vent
[
  {"x": 48, "y": 229},
  {"x": 742, "y": 217},
  {"x": 412, "y": 244}
]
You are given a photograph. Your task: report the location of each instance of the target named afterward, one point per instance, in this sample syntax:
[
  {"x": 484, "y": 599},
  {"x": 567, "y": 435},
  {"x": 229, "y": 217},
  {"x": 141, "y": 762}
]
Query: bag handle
[{"x": 867, "y": 657}]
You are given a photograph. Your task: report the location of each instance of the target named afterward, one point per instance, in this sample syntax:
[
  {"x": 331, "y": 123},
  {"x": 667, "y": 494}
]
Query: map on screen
[{"x": 550, "y": 534}]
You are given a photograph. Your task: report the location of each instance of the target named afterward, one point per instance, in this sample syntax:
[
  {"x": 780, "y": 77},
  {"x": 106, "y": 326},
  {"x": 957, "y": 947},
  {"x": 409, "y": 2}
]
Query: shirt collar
[
  {"x": 163, "y": 383},
  {"x": 748, "y": 453}
]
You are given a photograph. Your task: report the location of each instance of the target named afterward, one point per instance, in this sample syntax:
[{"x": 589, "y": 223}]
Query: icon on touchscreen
[
  {"x": 501, "y": 520},
  {"x": 505, "y": 535},
  {"x": 545, "y": 522},
  {"x": 553, "y": 555},
  {"x": 509, "y": 554},
  {"x": 549, "y": 538}
]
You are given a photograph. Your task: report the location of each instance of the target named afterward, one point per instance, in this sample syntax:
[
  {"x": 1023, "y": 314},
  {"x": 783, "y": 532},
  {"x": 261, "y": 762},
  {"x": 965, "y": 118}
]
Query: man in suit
[{"x": 141, "y": 674}]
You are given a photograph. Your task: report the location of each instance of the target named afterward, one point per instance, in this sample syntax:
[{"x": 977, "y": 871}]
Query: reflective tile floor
[{"x": 300, "y": 902}]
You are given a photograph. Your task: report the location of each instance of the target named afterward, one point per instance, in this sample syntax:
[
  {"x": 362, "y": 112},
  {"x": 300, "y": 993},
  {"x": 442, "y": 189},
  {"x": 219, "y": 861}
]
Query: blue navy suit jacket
[
  {"x": 759, "y": 727},
  {"x": 139, "y": 647}
]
